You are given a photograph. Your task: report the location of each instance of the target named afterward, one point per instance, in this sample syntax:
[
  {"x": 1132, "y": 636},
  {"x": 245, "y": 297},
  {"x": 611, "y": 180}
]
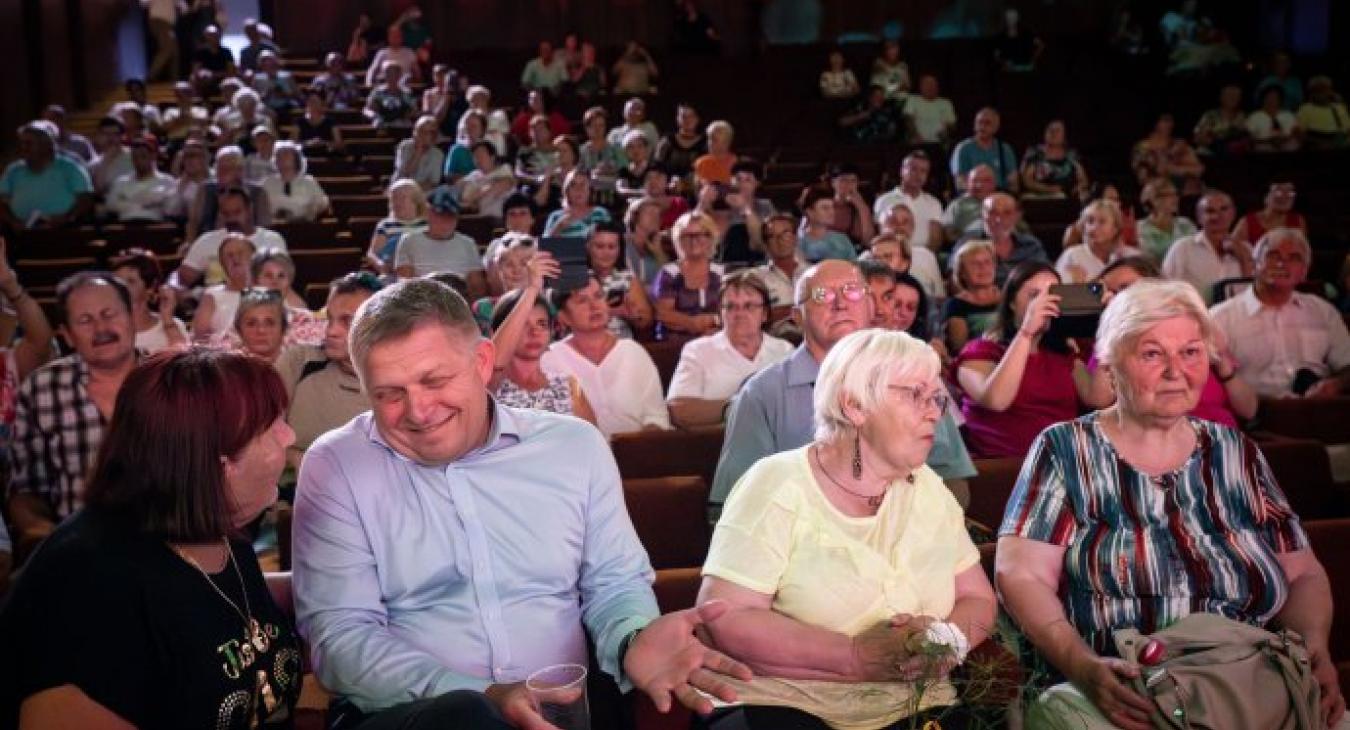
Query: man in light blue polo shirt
[
  {"x": 42, "y": 187},
  {"x": 985, "y": 148},
  {"x": 773, "y": 410},
  {"x": 446, "y": 546}
]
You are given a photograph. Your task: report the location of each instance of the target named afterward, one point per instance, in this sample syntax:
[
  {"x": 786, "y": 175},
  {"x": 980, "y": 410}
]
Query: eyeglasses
[
  {"x": 746, "y": 307},
  {"x": 851, "y": 292},
  {"x": 919, "y": 398},
  {"x": 696, "y": 235}
]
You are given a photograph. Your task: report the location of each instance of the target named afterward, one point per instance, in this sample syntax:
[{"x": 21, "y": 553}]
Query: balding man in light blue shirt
[{"x": 446, "y": 546}]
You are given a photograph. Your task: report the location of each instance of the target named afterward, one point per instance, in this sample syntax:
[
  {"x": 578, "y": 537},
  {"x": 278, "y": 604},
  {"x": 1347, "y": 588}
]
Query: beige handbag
[{"x": 1215, "y": 673}]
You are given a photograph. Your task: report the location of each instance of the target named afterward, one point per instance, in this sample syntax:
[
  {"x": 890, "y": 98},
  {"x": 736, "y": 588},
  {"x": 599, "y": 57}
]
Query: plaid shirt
[{"x": 57, "y": 431}]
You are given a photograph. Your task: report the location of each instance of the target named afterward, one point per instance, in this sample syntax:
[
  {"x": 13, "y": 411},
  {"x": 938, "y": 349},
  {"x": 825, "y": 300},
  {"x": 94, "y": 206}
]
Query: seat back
[
  {"x": 1329, "y": 538},
  {"x": 670, "y": 516},
  {"x": 990, "y": 489},
  {"x": 1303, "y": 471},
  {"x": 644, "y": 454}
]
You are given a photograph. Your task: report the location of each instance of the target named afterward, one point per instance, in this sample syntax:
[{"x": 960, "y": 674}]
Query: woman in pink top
[
  {"x": 1226, "y": 398},
  {"x": 1018, "y": 378}
]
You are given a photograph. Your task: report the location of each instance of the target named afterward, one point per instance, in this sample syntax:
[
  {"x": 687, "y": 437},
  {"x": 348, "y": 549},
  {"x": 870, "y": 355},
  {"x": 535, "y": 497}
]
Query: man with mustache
[
  {"x": 773, "y": 410},
  {"x": 63, "y": 405}
]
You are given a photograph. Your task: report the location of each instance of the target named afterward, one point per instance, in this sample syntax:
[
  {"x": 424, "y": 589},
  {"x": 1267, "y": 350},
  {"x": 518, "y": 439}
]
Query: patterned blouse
[
  {"x": 555, "y": 397},
  {"x": 1144, "y": 552}
]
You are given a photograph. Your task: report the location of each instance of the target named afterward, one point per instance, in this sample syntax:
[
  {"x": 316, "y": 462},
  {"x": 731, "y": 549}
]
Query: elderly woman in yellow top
[{"x": 853, "y": 585}]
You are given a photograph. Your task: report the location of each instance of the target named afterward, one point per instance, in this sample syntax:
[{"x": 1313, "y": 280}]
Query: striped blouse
[{"x": 1144, "y": 552}]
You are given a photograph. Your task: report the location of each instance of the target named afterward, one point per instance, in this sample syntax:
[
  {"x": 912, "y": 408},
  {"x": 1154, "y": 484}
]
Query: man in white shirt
[
  {"x": 113, "y": 160},
  {"x": 145, "y": 194},
  {"x": 1213, "y": 254},
  {"x": 404, "y": 56},
  {"x": 1285, "y": 342},
  {"x": 617, "y": 375},
  {"x": 234, "y": 214},
  {"x": 927, "y": 209},
  {"x": 931, "y": 119},
  {"x": 785, "y": 266},
  {"x": 712, "y": 368}
]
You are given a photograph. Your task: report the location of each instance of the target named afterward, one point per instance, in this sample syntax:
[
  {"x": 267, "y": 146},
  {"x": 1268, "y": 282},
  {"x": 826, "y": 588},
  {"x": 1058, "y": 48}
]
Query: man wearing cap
[
  {"x": 440, "y": 248},
  {"x": 144, "y": 194},
  {"x": 42, "y": 187}
]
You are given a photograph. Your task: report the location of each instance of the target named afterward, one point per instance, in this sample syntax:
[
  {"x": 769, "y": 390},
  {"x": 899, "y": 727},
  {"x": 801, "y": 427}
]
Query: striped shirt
[
  {"x": 1144, "y": 552},
  {"x": 57, "y": 431}
]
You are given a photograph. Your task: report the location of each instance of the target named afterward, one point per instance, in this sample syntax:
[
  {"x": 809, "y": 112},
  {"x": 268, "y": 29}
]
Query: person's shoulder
[
  {"x": 981, "y": 348},
  {"x": 777, "y": 347},
  {"x": 566, "y": 431},
  {"x": 768, "y": 381},
  {"x": 56, "y": 369},
  {"x": 778, "y": 478},
  {"x": 349, "y": 440}
]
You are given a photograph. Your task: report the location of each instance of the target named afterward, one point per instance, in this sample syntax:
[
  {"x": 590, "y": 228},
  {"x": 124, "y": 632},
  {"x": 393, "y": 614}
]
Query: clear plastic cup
[{"x": 559, "y": 692}]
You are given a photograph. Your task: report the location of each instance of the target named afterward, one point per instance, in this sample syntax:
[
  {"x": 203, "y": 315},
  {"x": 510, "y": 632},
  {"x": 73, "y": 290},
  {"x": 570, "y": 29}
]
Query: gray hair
[
  {"x": 272, "y": 254},
  {"x": 242, "y": 94},
  {"x": 802, "y": 289},
  {"x": 255, "y": 297},
  {"x": 858, "y": 370},
  {"x": 396, "y": 310},
  {"x": 1274, "y": 236},
  {"x": 293, "y": 148},
  {"x": 1138, "y": 309}
]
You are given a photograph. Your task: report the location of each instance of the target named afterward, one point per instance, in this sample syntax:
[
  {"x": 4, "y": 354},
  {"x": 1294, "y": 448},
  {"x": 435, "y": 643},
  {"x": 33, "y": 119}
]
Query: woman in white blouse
[{"x": 293, "y": 194}]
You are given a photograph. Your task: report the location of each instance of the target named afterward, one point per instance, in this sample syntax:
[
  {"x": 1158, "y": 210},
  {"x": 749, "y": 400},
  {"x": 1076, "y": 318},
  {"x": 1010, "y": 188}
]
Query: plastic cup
[{"x": 559, "y": 691}]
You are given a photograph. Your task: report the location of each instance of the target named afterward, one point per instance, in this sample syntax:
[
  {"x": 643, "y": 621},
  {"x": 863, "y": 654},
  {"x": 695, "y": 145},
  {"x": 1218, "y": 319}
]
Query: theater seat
[
  {"x": 990, "y": 489},
  {"x": 666, "y": 355},
  {"x": 670, "y": 516},
  {"x": 1322, "y": 419},
  {"x": 645, "y": 454},
  {"x": 1303, "y": 470},
  {"x": 1329, "y": 538}
]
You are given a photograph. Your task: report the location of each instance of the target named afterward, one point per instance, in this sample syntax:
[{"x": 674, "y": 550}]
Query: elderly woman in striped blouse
[{"x": 1145, "y": 515}]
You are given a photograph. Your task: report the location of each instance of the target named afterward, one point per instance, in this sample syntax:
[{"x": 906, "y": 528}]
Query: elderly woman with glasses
[
  {"x": 712, "y": 368},
  {"x": 686, "y": 290},
  {"x": 1139, "y": 515},
  {"x": 853, "y": 586}
]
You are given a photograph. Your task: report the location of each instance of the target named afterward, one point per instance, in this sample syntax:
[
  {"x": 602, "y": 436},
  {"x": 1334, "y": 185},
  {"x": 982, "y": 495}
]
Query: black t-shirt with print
[{"x": 142, "y": 632}]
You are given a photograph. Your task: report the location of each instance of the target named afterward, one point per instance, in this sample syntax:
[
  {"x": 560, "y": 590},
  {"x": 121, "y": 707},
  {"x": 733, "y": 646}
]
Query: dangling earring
[{"x": 857, "y": 457}]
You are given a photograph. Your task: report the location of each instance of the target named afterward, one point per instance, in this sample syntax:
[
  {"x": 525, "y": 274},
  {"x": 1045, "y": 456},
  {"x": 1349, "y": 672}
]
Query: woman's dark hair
[
  {"x": 142, "y": 261},
  {"x": 1004, "y": 326},
  {"x": 507, "y": 304},
  {"x": 177, "y": 415},
  {"x": 356, "y": 281},
  {"x": 919, "y": 328},
  {"x": 616, "y": 228},
  {"x": 560, "y": 297},
  {"x": 1141, "y": 265}
]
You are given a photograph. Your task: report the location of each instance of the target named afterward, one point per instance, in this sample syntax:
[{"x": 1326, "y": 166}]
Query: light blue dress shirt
[
  {"x": 774, "y": 411},
  {"x": 414, "y": 580}
]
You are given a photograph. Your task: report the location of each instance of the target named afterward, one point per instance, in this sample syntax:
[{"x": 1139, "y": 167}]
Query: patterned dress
[
  {"x": 555, "y": 397},
  {"x": 1146, "y": 551}
]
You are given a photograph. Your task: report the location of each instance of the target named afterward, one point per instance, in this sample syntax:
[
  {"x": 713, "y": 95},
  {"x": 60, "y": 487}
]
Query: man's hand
[
  {"x": 666, "y": 659},
  {"x": 517, "y": 707}
]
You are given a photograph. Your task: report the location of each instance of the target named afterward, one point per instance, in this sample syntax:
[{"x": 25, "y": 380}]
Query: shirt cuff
[{"x": 611, "y": 660}]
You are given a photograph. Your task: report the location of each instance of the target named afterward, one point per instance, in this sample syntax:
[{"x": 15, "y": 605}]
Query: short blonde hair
[
  {"x": 693, "y": 217},
  {"x": 959, "y": 259},
  {"x": 858, "y": 370},
  {"x": 1138, "y": 309},
  {"x": 1107, "y": 208},
  {"x": 410, "y": 186}
]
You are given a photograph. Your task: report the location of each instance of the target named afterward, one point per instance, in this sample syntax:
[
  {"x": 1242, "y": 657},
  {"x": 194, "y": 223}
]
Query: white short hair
[
  {"x": 858, "y": 370},
  {"x": 1139, "y": 308},
  {"x": 721, "y": 125},
  {"x": 1275, "y": 235}
]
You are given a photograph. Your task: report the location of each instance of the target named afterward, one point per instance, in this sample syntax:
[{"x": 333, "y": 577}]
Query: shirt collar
[
  {"x": 802, "y": 368},
  {"x": 1251, "y": 304}
]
